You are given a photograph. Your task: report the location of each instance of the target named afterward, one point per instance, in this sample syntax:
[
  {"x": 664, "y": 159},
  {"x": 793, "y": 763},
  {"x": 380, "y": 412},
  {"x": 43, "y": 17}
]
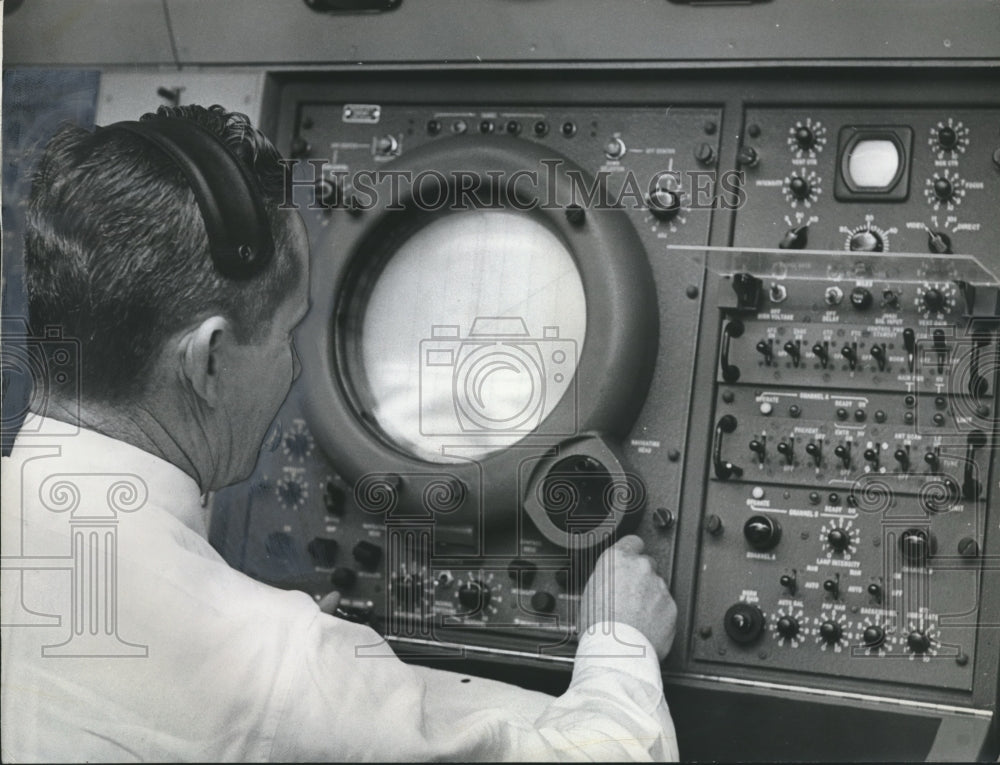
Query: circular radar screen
[{"x": 471, "y": 335}]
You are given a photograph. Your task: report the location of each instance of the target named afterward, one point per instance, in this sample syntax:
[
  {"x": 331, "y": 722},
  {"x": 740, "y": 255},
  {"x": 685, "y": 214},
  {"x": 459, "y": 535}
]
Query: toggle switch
[
  {"x": 850, "y": 352},
  {"x": 766, "y": 349},
  {"x": 790, "y": 582},
  {"x": 843, "y": 453},
  {"x": 878, "y": 353},
  {"x": 822, "y": 352},
  {"x": 902, "y": 456},
  {"x": 787, "y": 450},
  {"x": 793, "y": 349},
  {"x": 873, "y": 456},
  {"x": 815, "y": 450},
  {"x": 759, "y": 447}
]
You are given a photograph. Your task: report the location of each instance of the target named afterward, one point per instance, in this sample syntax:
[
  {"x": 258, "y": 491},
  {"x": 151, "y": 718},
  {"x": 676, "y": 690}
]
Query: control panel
[
  {"x": 850, "y": 472},
  {"x": 810, "y": 453}
]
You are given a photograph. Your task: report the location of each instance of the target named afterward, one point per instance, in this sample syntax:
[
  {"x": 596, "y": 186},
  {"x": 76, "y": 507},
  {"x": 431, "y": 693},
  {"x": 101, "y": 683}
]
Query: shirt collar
[{"x": 169, "y": 487}]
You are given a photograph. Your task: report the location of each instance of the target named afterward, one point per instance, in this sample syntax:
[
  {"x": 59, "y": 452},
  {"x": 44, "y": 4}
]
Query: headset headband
[{"x": 228, "y": 194}]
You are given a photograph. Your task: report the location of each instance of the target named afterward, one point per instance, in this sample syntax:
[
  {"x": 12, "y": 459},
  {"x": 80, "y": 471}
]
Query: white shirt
[{"x": 141, "y": 643}]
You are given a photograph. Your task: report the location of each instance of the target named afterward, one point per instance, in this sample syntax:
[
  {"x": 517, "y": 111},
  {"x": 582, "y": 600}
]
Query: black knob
[
  {"x": 664, "y": 203},
  {"x": 830, "y": 631},
  {"x": 815, "y": 450},
  {"x": 795, "y": 238},
  {"x": 522, "y": 572},
  {"x": 903, "y": 458},
  {"x": 759, "y": 448},
  {"x": 290, "y": 491},
  {"x": 344, "y": 577},
  {"x": 804, "y": 137},
  {"x": 867, "y": 240},
  {"x": 915, "y": 545},
  {"x": 713, "y": 524},
  {"x": 367, "y": 554},
  {"x": 943, "y": 189},
  {"x": 875, "y": 592},
  {"x": 934, "y": 300},
  {"x": 938, "y": 242},
  {"x": 543, "y": 602},
  {"x": 838, "y": 539},
  {"x": 843, "y": 453},
  {"x": 947, "y": 138},
  {"x": 861, "y": 298},
  {"x": 800, "y": 187},
  {"x": 747, "y": 156},
  {"x": 878, "y": 353},
  {"x": 322, "y": 551},
  {"x": 762, "y": 532},
  {"x": 909, "y": 340},
  {"x": 704, "y": 153},
  {"x": 874, "y": 636},
  {"x": 747, "y": 288},
  {"x": 473, "y": 596},
  {"x": 918, "y": 641},
  {"x": 788, "y": 627},
  {"x": 744, "y": 623},
  {"x": 832, "y": 586}
]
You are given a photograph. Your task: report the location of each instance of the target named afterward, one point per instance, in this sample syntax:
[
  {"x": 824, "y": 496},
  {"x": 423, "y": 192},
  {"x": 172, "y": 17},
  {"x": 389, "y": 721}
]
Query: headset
[{"x": 228, "y": 194}]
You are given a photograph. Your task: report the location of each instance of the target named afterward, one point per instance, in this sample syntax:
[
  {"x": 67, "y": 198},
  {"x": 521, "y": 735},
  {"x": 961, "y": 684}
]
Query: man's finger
[
  {"x": 329, "y": 602},
  {"x": 630, "y": 544}
]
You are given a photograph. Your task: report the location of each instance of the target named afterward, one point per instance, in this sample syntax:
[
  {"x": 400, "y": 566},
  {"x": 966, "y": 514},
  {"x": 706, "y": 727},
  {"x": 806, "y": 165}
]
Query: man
[{"x": 171, "y": 654}]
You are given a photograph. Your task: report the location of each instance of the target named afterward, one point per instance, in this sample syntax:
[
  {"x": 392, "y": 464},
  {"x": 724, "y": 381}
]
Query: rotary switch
[
  {"x": 744, "y": 623},
  {"x": 947, "y": 138},
  {"x": 943, "y": 189},
  {"x": 866, "y": 240},
  {"x": 830, "y": 632},
  {"x": 762, "y": 532},
  {"x": 473, "y": 595},
  {"x": 839, "y": 539},
  {"x": 788, "y": 627},
  {"x": 873, "y": 637},
  {"x": 918, "y": 641},
  {"x": 800, "y": 187},
  {"x": 664, "y": 203},
  {"x": 804, "y": 137}
]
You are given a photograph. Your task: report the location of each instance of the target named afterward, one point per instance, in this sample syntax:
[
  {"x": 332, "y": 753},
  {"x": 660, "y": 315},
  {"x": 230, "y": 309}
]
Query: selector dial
[
  {"x": 866, "y": 240},
  {"x": 298, "y": 442},
  {"x": 474, "y": 596},
  {"x": 802, "y": 189},
  {"x": 744, "y": 623},
  {"x": 839, "y": 539},
  {"x": 806, "y": 138},
  {"x": 664, "y": 203},
  {"x": 762, "y": 532},
  {"x": 945, "y": 190},
  {"x": 918, "y": 641},
  {"x": 873, "y": 636},
  {"x": 830, "y": 632},
  {"x": 948, "y": 137},
  {"x": 935, "y": 298},
  {"x": 788, "y": 627},
  {"x": 292, "y": 490}
]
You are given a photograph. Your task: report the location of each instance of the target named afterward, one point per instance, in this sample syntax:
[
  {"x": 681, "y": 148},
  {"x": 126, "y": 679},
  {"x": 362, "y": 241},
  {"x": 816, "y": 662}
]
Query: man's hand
[{"x": 625, "y": 588}]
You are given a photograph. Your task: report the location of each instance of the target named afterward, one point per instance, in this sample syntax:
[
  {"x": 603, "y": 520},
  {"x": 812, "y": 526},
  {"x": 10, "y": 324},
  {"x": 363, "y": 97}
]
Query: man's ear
[{"x": 200, "y": 358}]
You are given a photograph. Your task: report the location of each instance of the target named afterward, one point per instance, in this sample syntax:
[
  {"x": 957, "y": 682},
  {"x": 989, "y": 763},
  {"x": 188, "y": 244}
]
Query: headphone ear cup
[{"x": 228, "y": 194}]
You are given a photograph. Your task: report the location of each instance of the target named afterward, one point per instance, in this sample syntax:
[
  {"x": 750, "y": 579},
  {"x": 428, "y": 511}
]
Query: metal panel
[
  {"x": 286, "y": 31},
  {"x": 91, "y": 32}
]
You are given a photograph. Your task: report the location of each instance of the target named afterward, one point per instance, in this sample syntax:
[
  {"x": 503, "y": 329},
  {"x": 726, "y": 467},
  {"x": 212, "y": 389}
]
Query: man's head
[{"x": 117, "y": 255}]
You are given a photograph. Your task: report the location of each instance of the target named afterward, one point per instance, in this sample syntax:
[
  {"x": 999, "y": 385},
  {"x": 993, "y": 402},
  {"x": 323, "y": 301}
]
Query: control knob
[
  {"x": 839, "y": 539},
  {"x": 943, "y": 189},
  {"x": 800, "y": 187},
  {"x": 744, "y": 623},
  {"x": 934, "y": 300},
  {"x": 947, "y": 138},
  {"x": 762, "y": 532},
  {"x": 873, "y": 637},
  {"x": 866, "y": 240},
  {"x": 664, "y": 203},
  {"x": 473, "y": 595},
  {"x": 830, "y": 631},
  {"x": 804, "y": 137},
  {"x": 788, "y": 627},
  {"x": 918, "y": 641}
]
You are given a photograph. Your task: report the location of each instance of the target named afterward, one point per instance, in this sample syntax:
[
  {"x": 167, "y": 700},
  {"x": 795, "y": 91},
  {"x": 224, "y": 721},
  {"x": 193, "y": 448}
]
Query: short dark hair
[{"x": 116, "y": 252}]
